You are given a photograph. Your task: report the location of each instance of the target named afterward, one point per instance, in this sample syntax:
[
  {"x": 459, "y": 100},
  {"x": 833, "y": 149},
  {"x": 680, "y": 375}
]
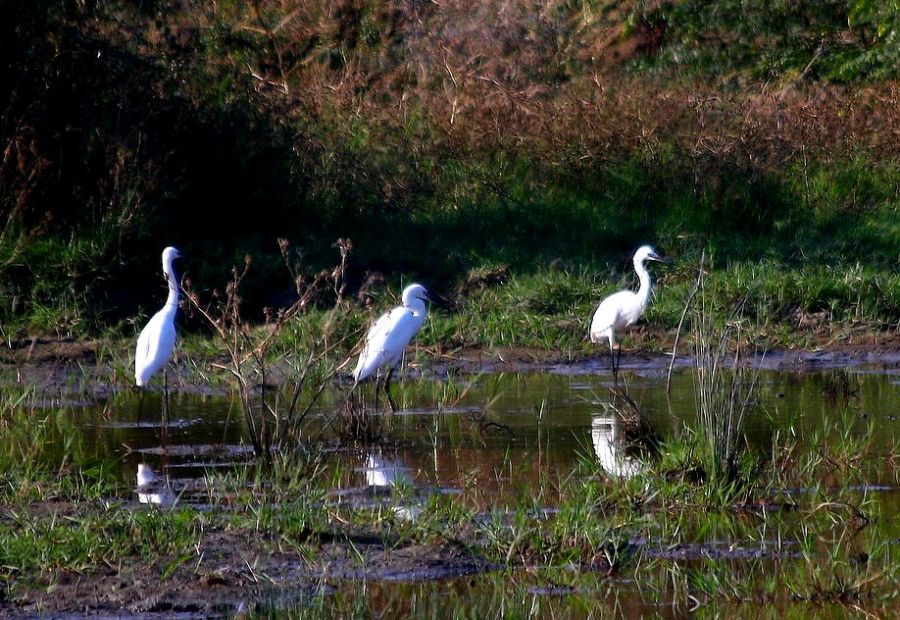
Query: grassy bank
[
  {"x": 444, "y": 141},
  {"x": 543, "y": 316}
]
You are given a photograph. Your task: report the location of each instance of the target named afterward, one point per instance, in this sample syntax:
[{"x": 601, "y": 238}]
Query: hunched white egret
[
  {"x": 387, "y": 338},
  {"x": 157, "y": 340},
  {"x": 622, "y": 309}
]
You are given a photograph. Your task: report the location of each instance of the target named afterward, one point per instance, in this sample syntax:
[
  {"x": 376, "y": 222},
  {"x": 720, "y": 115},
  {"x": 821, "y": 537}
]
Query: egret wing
[
  {"x": 155, "y": 345},
  {"x": 403, "y": 331},
  {"x": 379, "y": 343},
  {"x": 141, "y": 354}
]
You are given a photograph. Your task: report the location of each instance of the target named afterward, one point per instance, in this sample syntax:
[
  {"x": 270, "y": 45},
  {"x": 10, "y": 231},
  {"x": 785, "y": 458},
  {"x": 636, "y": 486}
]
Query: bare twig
[{"x": 271, "y": 424}]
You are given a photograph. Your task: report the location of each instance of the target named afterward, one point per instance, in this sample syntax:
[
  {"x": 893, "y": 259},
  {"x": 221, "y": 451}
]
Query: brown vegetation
[{"x": 521, "y": 75}]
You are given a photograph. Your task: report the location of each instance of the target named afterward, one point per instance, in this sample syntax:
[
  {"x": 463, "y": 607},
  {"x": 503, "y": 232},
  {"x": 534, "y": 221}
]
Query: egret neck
[
  {"x": 416, "y": 306},
  {"x": 169, "y": 270},
  {"x": 643, "y": 293}
]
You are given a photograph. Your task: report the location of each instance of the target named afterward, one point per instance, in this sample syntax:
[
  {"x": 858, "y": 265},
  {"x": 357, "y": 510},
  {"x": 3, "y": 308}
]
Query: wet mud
[
  {"x": 49, "y": 365},
  {"x": 231, "y": 571}
]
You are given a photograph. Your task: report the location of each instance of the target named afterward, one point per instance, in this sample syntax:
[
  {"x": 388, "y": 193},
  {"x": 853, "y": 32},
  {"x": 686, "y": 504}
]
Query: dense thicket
[{"x": 438, "y": 136}]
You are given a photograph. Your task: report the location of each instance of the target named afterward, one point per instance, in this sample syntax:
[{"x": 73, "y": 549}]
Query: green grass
[
  {"x": 824, "y": 250},
  {"x": 786, "y": 305},
  {"x": 94, "y": 536}
]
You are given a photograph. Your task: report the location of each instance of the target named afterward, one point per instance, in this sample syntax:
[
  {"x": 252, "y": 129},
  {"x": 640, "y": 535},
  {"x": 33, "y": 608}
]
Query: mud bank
[
  {"x": 48, "y": 365},
  {"x": 231, "y": 568}
]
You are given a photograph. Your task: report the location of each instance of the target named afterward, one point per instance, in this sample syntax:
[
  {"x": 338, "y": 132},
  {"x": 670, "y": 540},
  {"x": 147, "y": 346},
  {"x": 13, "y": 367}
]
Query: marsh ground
[{"x": 512, "y": 486}]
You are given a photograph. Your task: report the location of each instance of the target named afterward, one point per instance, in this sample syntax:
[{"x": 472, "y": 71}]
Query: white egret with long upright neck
[
  {"x": 622, "y": 309},
  {"x": 389, "y": 335},
  {"x": 156, "y": 341}
]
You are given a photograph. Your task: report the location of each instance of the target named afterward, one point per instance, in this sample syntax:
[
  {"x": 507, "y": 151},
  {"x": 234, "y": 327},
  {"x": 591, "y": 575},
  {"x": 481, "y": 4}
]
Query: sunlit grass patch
[{"x": 83, "y": 539}]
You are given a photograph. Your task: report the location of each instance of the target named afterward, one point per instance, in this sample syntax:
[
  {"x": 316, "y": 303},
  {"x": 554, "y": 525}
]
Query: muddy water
[
  {"x": 502, "y": 434},
  {"x": 508, "y": 434}
]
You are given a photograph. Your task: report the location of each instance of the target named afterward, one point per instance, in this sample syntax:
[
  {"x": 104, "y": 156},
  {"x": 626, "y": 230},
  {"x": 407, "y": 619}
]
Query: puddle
[
  {"x": 505, "y": 433},
  {"x": 194, "y": 451},
  {"x": 172, "y": 424}
]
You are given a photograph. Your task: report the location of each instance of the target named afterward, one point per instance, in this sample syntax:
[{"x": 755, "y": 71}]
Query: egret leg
[
  {"x": 165, "y": 406},
  {"x": 378, "y": 380},
  {"x": 618, "y": 360},
  {"x": 613, "y": 362},
  {"x": 350, "y": 393},
  {"x": 387, "y": 390}
]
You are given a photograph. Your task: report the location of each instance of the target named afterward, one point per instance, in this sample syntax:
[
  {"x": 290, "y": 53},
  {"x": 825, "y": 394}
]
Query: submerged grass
[{"x": 677, "y": 535}]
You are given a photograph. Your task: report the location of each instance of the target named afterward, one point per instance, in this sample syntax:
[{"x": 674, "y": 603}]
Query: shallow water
[
  {"x": 504, "y": 433},
  {"x": 502, "y": 438}
]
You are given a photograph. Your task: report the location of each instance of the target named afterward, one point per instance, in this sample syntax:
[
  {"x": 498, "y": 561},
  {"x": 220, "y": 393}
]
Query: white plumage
[
  {"x": 387, "y": 338},
  {"x": 622, "y": 309},
  {"x": 153, "y": 489},
  {"x": 157, "y": 340},
  {"x": 146, "y": 476},
  {"x": 386, "y": 475}
]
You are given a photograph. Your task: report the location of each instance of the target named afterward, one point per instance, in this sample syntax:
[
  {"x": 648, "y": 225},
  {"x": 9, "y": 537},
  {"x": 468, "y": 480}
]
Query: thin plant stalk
[
  {"x": 271, "y": 425},
  {"x": 721, "y": 387}
]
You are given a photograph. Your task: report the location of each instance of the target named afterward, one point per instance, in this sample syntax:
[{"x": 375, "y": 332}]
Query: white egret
[
  {"x": 387, "y": 338},
  {"x": 624, "y": 308},
  {"x": 157, "y": 340}
]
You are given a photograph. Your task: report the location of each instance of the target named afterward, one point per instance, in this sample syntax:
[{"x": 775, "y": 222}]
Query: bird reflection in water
[
  {"x": 610, "y": 447},
  {"x": 385, "y": 475},
  {"x": 152, "y": 488}
]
